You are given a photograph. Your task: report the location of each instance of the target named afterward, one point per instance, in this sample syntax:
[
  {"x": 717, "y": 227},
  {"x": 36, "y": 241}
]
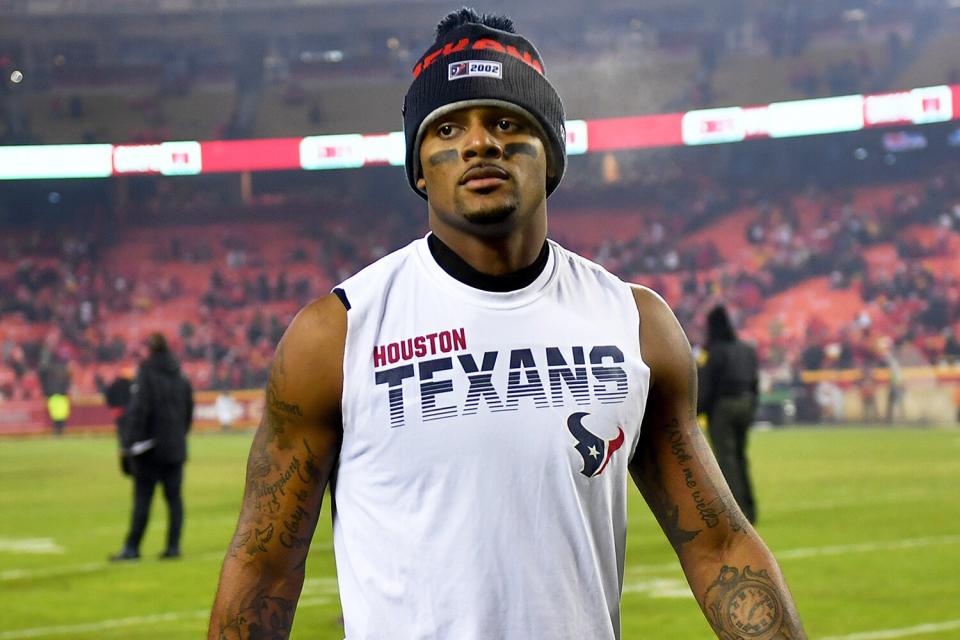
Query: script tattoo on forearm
[
  {"x": 261, "y": 524},
  {"x": 266, "y": 618},
  {"x": 748, "y": 604},
  {"x": 667, "y": 513},
  {"x": 293, "y": 530},
  {"x": 706, "y": 498}
]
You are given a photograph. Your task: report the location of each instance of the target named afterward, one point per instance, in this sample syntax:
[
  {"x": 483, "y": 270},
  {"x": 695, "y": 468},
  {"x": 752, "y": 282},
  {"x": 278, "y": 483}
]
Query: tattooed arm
[
  {"x": 732, "y": 573},
  {"x": 290, "y": 461}
]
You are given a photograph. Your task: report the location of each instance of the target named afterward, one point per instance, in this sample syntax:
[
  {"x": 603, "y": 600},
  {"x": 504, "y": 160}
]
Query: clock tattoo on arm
[{"x": 745, "y": 605}]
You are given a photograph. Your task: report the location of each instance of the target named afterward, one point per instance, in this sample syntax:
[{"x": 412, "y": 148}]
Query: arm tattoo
[
  {"x": 266, "y": 618},
  {"x": 748, "y": 604},
  {"x": 262, "y": 508},
  {"x": 280, "y": 512},
  {"x": 252, "y": 541},
  {"x": 667, "y": 514},
  {"x": 707, "y": 499},
  {"x": 677, "y": 535},
  {"x": 278, "y": 412}
]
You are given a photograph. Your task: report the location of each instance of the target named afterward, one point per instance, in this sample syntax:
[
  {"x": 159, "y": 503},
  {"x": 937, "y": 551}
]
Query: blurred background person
[
  {"x": 155, "y": 435},
  {"x": 227, "y": 410},
  {"x": 728, "y": 392},
  {"x": 895, "y": 391},
  {"x": 58, "y": 406}
]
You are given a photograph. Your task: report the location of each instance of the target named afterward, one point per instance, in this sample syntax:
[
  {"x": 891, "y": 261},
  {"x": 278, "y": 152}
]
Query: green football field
[{"x": 865, "y": 522}]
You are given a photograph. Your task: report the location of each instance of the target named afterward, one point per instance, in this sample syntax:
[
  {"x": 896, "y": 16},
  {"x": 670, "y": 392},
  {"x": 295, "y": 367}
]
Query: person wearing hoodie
[
  {"x": 158, "y": 418},
  {"x": 729, "y": 385}
]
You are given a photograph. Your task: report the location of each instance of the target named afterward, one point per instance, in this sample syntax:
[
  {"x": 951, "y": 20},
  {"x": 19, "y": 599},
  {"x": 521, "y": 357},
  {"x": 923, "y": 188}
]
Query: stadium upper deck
[{"x": 238, "y": 70}]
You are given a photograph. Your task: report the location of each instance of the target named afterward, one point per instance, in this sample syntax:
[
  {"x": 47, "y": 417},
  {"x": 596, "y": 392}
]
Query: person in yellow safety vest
[{"x": 58, "y": 406}]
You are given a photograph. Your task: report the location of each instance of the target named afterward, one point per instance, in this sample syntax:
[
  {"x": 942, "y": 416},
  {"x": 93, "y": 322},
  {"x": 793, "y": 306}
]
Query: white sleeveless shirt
[{"x": 480, "y": 492}]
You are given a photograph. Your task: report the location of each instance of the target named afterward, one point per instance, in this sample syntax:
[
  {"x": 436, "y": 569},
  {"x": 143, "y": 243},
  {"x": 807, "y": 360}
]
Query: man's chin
[{"x": 490, "y": 216}]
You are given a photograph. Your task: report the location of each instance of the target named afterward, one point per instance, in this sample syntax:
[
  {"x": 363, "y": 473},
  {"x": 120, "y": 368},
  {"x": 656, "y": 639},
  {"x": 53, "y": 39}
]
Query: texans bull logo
[{"x": 595, "y": 451}]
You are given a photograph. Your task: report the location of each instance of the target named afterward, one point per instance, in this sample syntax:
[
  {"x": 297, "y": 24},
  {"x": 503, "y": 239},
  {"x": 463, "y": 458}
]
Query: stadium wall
[
  {"x": 89, "y": 414},
  {"x": 931, "y": 395}
]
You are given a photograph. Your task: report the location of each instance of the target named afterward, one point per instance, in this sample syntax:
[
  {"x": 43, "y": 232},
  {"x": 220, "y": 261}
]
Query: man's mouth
[{"x": 484, "y": 177}]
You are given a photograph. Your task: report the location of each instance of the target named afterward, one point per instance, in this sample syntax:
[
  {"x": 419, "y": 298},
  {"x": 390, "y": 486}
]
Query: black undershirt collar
[{"x": 458, "y": 268}]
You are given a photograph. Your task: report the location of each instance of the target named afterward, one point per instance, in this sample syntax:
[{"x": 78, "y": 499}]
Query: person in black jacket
[
  {"x": 728, "y": 389},
  {"x": 155, "y": 437}
]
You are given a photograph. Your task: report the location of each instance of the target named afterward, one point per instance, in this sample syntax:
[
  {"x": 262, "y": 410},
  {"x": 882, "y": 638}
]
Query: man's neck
[
  {"x": 491, "y": 251},
  {"x": 458, "y": 268}
]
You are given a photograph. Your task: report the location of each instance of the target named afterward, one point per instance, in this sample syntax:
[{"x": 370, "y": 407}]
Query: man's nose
[{"x": 479, "y": 142}]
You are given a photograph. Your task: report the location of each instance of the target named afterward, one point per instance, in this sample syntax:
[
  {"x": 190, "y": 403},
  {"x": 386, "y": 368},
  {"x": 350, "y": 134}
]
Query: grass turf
[{"x": 864, "y": 521}]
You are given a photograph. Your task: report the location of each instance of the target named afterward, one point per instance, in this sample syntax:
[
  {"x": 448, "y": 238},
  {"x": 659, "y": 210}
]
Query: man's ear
[
  {"x": 551, "y": 164},
  {"x": 421, "y": 184}
]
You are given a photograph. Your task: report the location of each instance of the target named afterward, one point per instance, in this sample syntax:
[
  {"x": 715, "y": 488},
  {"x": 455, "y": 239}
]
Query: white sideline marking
[
  {"x": 852, "y": 501},
  {"x": 44, "y": 572},
  {"x": 30, "y": 545},
  {"x": 833, "y": 550},
  {"x": 660, "y": 588},
  {"x": 886, "y": 634},
  {"x": 117, "y": 623},
  {"x": 866, "y": 547},
  {"x": 90, "y": 567}
]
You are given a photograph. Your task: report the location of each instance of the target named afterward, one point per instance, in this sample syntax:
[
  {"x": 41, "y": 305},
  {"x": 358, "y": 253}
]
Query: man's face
[{"x": 484, "y": 169}]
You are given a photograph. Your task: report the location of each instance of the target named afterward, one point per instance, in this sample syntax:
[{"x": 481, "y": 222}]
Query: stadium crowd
[{"x": 73, "y": 307}]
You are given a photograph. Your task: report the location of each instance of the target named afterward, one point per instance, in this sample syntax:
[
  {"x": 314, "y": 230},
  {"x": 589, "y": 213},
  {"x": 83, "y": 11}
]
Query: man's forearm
[
  {"x": 252, "y": 603},
  {"x": 263, "y": 571},
  {"x": 743, "y": 595}
]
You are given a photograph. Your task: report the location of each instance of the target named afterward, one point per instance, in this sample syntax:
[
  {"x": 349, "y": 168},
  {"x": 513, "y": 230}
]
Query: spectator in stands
[
  {"x": 728, "y": 388},
  {"x": 159, "y": 417}
]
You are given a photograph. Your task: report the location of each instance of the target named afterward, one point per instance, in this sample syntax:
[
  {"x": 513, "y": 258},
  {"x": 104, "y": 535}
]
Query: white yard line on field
[
  {"x": 832, "y": 550},
  {"x": 102, "y": 625},
  {"x": 865, "y": 547},
  {"x": 30, "y": 545},
  {"x": 852, "y": 501},
  {"x": 90, "y": 567},
  {"x": 889, "y": 634},
  {"x": 119, "y": 623},
  {"x": 45, "y": 572},
  {"x": 659, "y": 587}
]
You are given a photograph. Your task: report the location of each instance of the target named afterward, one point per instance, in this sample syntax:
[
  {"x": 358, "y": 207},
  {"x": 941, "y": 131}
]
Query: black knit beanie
[{"x": 481, "y": 60}]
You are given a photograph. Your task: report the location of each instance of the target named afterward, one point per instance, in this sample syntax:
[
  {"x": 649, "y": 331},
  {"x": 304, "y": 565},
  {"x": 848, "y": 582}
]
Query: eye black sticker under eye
[
  {"x": 447, "y": 155},
  {"x": 514, "y": 148}
]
